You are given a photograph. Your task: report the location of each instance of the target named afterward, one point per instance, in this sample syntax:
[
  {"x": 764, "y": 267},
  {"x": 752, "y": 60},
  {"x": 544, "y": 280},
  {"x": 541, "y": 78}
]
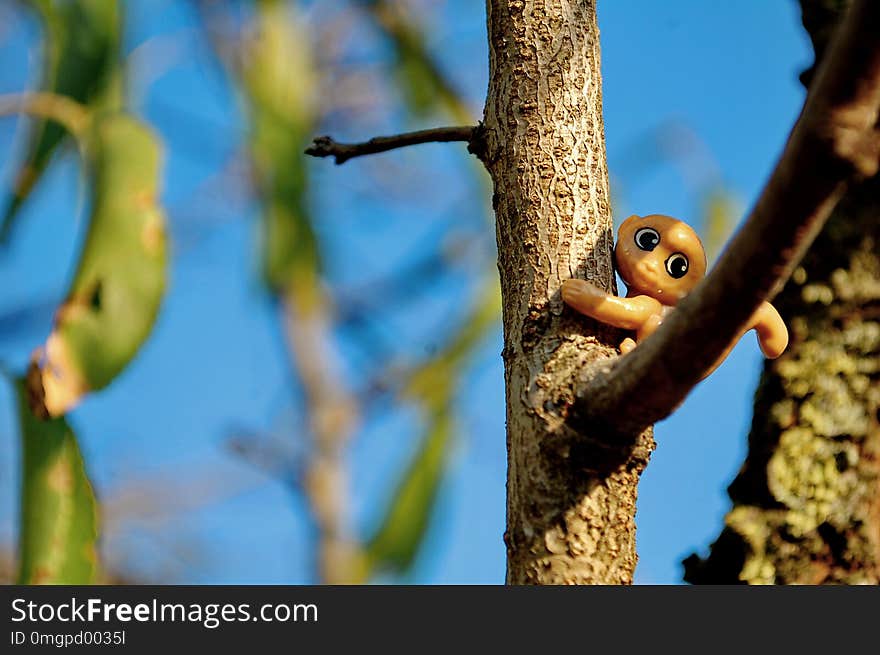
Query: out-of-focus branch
[
  {"x": 70, "y": 114},
  {"x": 325, "y": 146},
  {"x": 834, "y": 142},
  {"x": 266, "y": 454},
  {"x": 272, "y": 61},
  {"x": 331, "y": 411}
]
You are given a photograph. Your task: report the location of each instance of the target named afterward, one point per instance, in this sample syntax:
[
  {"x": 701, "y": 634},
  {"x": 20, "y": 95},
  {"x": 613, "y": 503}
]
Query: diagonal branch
[
  {"x": 834, "y": 142},
  {"x": 325, "y": 146}
]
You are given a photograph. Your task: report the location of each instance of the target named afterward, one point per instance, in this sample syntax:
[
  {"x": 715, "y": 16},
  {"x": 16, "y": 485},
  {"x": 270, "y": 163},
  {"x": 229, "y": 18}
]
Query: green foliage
[
  {"x": 81, "y": 52},
  {"x": 58, "y": 510},
  {"x": 118, "y": 286},
  {"x": 120, "y": 278},
  {"x": 405, "y": 522},
  {"x": 433, "y": 384},
  {"x": 278, "y": 80},
  {"x": 719, "y": 213},
  {"x": 402, "y": 530},
  {"x": 424, "y": 85}
]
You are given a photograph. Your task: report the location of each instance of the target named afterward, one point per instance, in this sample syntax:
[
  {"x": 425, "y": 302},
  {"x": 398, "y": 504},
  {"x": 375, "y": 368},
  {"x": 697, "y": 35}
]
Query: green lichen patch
[{"x": 806, "y": 504}]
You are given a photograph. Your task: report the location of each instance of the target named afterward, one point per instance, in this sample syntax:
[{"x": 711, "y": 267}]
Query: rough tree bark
[
  {"x": 570, "y": 515},
  {"x": 807, "y": 500}
]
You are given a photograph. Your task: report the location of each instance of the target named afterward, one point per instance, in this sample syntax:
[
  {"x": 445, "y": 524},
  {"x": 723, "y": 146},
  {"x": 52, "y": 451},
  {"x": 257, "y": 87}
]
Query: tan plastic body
[{"x": 661, "y": 259}]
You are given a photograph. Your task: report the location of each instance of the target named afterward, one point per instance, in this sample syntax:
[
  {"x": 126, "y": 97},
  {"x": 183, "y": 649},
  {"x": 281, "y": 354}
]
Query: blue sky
[{"x": 727, "y": 72}]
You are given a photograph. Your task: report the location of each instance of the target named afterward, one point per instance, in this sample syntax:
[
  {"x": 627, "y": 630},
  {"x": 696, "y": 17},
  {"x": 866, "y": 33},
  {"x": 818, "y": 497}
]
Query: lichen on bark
[
  {"x": 806, "y": 503},
  {"x": 807, "y": 500}
]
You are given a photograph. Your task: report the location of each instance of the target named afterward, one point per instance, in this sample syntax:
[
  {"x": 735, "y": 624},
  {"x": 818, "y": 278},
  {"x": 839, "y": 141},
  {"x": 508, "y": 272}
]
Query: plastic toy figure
[{"x": 660, "y": 259}]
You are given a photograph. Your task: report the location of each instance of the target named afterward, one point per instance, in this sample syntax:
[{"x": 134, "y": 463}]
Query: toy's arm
[
  {"x": 771, "y": 330},
  {"x": 626, "y": 313}
]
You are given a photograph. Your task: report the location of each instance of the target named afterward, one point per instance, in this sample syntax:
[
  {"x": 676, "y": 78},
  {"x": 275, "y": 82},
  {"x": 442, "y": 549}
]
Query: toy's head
[{"x": 659, "y": 256}]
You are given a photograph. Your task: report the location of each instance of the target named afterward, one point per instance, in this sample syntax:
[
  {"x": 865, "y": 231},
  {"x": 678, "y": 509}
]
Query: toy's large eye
[
  {"x": 677, "y": 265},
  {"x": 647, "y": 238}
]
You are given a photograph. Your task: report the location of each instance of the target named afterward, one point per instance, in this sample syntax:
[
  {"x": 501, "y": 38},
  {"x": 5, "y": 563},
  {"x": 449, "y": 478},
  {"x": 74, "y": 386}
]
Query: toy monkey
[{"x": 661, "y": 260}]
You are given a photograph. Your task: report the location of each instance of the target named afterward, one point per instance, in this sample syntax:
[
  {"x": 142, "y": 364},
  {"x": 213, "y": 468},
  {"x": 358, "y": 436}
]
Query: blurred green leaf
[
  {"x": 279, "y": 80},
  {"x": 432, "y": 386},
  {"x": 81, "y": 55},
  {"x": 424, "y": 85},
  {"x": 59, "y": 524},
  {"x": 402, "y": 530},
  {"x": 720, "y": 210},
  {"x": 120, "y": 279},
  {"x": 433, "y": 383}
]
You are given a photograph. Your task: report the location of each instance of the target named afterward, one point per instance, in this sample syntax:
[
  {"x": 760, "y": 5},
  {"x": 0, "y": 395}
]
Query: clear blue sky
[{"x": 725, "y": 71}]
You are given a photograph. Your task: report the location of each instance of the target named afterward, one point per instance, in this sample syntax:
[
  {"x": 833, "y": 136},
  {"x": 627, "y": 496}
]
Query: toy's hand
[
  {"x": 582, "y": 296},
  {"x": 626, "y": 313}
]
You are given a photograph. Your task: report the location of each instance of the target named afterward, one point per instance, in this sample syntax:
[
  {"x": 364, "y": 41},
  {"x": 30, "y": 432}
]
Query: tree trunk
[
  {"x": 570, "y": 510},
  {"x": 807, "y": 500}
]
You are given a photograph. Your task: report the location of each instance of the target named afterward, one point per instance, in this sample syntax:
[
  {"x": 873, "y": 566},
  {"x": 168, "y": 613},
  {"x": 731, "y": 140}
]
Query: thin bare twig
[
  {"x": 835, "y": 142},
  {"x": 325, "y": 146}
]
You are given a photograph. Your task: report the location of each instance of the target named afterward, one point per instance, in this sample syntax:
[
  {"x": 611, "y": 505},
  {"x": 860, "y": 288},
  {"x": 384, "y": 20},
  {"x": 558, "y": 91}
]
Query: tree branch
[
  {"x": 65, "y": 111},
  {"x": 325, "y": 146},
  {"x": 834, "y": 142}
]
